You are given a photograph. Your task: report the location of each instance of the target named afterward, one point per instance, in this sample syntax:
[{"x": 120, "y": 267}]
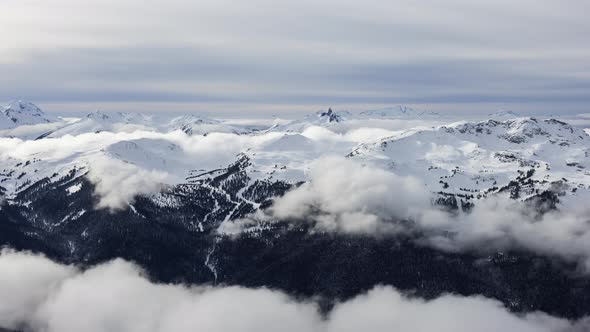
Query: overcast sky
[{"x": 272, "y": 56}]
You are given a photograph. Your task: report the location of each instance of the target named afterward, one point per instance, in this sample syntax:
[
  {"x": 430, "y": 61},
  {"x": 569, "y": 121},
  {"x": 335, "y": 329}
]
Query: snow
[
  {"x": 21, "y": 113},
  {"x": 74, "y": 189},
  {"x": 459, "y": 157},
  {"x": 473, "y": 157}
]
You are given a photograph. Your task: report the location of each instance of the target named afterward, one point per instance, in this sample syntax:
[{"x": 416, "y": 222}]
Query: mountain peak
[
  {"x": 98, "y": 115},
  {"x": 18, "y": 113},
  {"x": 330, "y": 115},
  {"x": 22, "y": 105}
]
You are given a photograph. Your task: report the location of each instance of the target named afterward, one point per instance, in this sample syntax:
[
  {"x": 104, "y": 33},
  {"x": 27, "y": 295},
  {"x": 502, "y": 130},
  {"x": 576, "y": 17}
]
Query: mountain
[
  {"x": 207, "y": 175},
  {"x": 329, "y": 116},
  {"x": 200, "y": 125},
  {"x": 459, "y": 158},
  {"x": 480, "y": 158},
  {"x": 22, "y": 113},
  {"x": 99, "y": 121}
]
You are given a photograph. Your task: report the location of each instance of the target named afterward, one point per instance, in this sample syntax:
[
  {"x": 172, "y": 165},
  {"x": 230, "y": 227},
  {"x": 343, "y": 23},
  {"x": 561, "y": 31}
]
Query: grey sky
[{"x": 260, "y": 56}]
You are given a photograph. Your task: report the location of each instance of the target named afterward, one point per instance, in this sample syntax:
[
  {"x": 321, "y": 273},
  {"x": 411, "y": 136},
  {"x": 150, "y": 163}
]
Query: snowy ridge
[
  {"x": 464, "y": 158},
  {"x": 476, "y": 158}
]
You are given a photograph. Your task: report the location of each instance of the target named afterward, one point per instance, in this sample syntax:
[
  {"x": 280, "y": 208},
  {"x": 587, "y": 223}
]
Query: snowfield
[{"x": 464, "y": 158}]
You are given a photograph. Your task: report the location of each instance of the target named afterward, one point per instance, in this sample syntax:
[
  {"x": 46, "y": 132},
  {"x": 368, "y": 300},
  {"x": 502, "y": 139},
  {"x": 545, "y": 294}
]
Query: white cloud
[
  {"x": 117, "y": 183},
  {"x": 351, "y": 197},
  {"x": 385, "y": 309},
  {"x": 502, "y": 223},
  {"x": 40, "y": 295},
  {"x": 25, "y": 283}
]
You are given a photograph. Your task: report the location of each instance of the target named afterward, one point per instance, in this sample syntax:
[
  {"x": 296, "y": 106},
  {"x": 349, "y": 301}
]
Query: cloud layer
[
  {"x": 352, "y": 198},
  {"x": 117, "y": 183},
  {"x": 41, "y": 295}
]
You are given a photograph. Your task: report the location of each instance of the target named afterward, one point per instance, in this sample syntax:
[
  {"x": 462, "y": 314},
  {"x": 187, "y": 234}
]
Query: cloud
[
  {"x": 384, "y": 308},
  {"x": 117, "y": 182},
  {"x": 25, "y": 283},
  {"x": 351, "y": 197},
  {"x": 503, "y": 224},
  {"x": 39, "y": 295},
  {"x": 304, "y": 54}
]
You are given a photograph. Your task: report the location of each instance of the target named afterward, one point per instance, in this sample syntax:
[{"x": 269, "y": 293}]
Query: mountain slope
[{"x": 479, "y": 158}]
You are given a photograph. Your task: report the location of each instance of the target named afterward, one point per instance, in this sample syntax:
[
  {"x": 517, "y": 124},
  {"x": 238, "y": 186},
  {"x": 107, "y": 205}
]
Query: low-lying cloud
[
  {"x": 351, "y": 197},
  {"x": 37, "y": 294},
  {"x": 117, "y": 183}
]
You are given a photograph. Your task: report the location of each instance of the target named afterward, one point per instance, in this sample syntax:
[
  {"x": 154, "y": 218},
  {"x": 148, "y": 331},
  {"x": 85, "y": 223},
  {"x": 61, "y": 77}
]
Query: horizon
[{"x": 155, "y": 109}]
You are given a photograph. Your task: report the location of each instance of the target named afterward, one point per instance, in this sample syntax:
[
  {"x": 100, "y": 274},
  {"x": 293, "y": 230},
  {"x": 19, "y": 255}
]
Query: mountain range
[{"x": 163, "y": 192}]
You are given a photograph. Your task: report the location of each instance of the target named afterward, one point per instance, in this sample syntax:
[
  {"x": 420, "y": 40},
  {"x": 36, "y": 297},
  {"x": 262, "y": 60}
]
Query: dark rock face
[
  {"x": 173, "y": 236},
  {"x": 330, "y": 115}
]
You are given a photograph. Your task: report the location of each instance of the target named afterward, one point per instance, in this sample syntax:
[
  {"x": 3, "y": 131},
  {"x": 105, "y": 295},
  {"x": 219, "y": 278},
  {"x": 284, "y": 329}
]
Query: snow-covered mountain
[
  {"x": 464, "y": 158},
  {"x": 201, "y": 125},
  {"x": 479, "y": 158},
  {"x": 327, "y": 118},
  {"x": 158, "y": 191},
  {"x": 22, "y": 113},
  {"x": 99, "y": 121}
]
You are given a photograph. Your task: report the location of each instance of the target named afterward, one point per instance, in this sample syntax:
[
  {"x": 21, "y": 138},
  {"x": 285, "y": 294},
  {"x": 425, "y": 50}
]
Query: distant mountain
[
  {"x": 119, "y": 117},
  {"x": 99, "y": 121},
  {"x": 479, "y": 158},
  {"x": 200, "y": 125},
  {"x": 48, "y": 202},
  {"x": 329, "y": 116},
  {"x": 22, "y": 113},
  {"x": 324, "y": 118}
]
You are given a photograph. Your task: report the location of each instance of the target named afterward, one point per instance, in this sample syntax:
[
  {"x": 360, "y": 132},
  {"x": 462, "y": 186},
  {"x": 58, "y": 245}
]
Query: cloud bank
[
  {"x": 39, "y": 295},
  {"x": 351, "y": 197},
  {"x": 117, "y": 183}
]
